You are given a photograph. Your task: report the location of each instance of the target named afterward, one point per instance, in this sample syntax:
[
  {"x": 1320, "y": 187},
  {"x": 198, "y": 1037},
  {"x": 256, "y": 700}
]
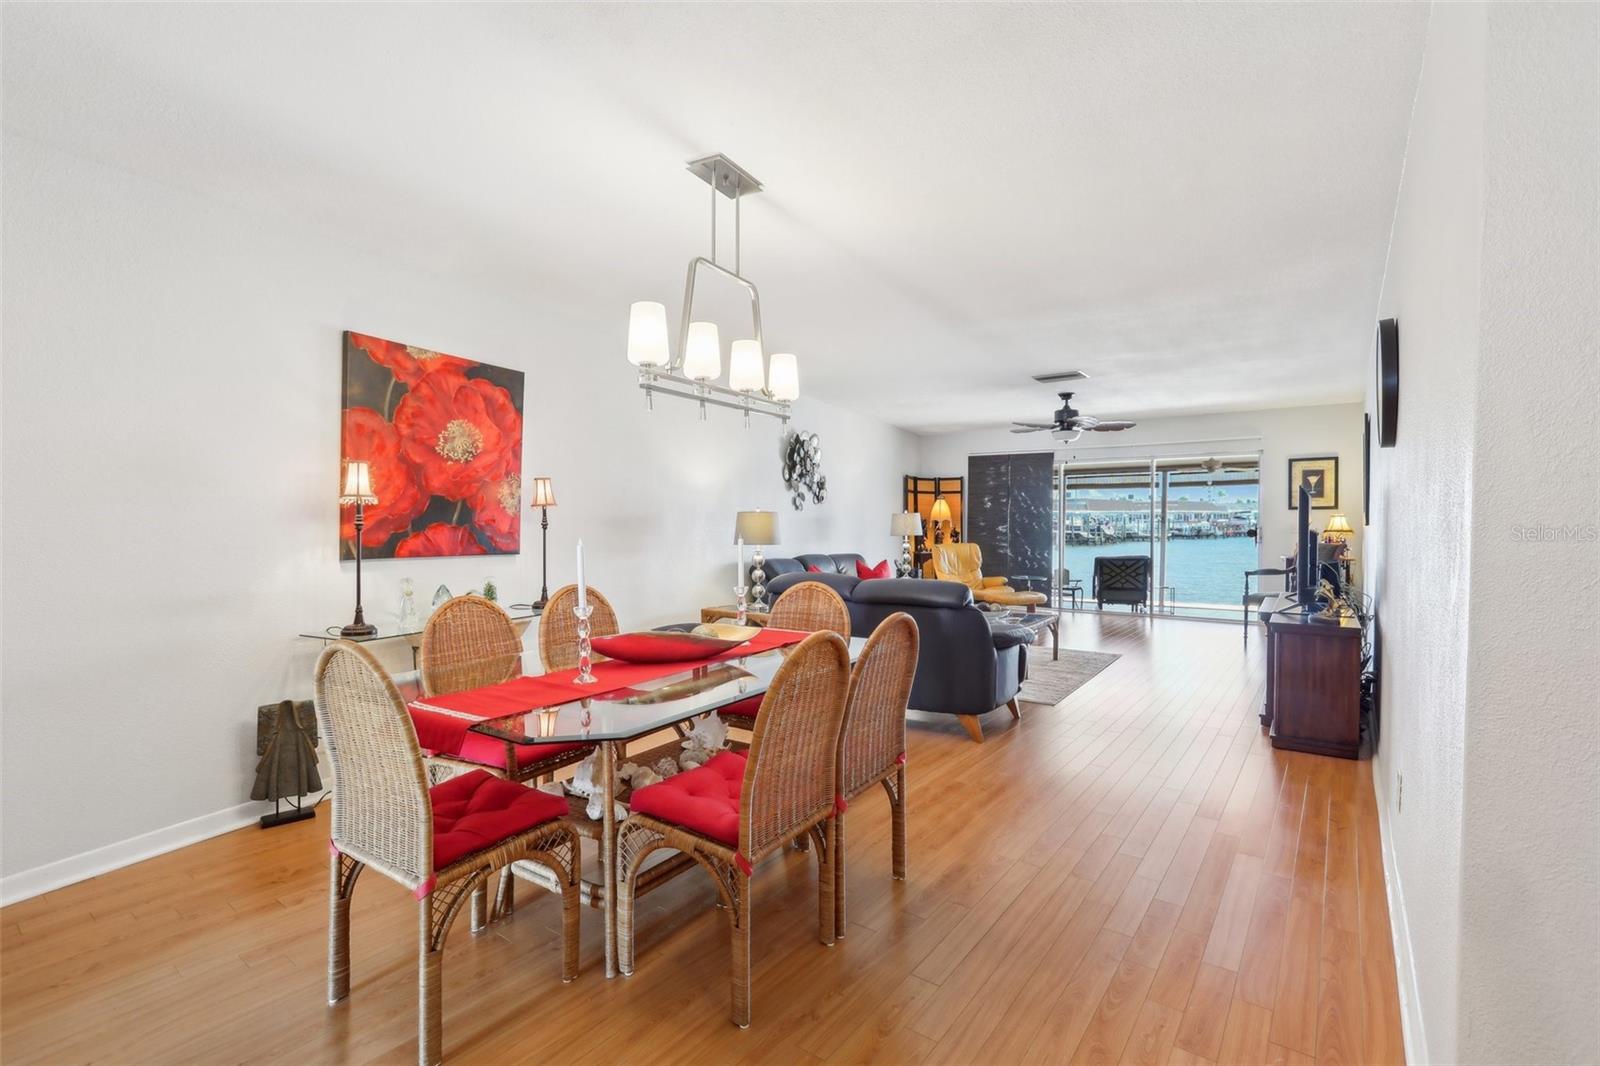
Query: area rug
[{"x": 1051, "y": 681}]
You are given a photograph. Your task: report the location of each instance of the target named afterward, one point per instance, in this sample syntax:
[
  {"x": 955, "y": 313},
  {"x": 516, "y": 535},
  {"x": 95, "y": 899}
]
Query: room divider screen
[{"x": 1011, "y": 517}]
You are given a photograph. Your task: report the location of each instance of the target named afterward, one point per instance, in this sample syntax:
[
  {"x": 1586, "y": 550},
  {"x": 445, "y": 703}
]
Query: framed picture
[
  {"x": 1320, "y": 476},
  {"x": 442, "y": 436}
]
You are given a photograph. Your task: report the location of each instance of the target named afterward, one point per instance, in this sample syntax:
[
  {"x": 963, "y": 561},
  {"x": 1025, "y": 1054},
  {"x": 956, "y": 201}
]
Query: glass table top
[
  {"x": 390, "y": 630},
  {"x": 644, "y": 707}
]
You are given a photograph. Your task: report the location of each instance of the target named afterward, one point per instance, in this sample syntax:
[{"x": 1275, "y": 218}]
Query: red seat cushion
[
  {"x": 478, "y": 810},
  {"x": 705, "y": 799},
  {"x": 864, "y": 571},
  {"x": 487, "y": 751},
  {"x": 745, "y": 708}
]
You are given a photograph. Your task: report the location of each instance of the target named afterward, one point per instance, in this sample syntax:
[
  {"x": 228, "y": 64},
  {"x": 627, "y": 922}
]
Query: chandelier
[{"x": 756, "y": 384}]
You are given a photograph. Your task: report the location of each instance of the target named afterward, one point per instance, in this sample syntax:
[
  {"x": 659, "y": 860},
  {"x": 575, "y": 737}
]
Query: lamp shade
[
  {"x": 357, "y": 484},
  {"x": 941, "y": 510},
  {"x": 905, "y": 524},
  {"x": 783, "y": 377},
  {"x": 745, "y": 372},
  {"x": 647, "y": 334},
  {"x": 1338, "y": 524},
  {"x": 543, "y": 494},
  {"x": 756, "y": 527},
  {"x": 702, "y": 352}
]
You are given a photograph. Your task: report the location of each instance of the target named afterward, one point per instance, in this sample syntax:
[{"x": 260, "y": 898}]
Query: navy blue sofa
[{"x": 969, "y": 664}]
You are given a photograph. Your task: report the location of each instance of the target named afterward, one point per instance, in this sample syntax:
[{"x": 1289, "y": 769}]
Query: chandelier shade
[
  {"x": 783, "y": 379},
  {"x": 745, "y": 373},
  {"x": 647, "y": 334},
  {"x": 702, "y": 352}
]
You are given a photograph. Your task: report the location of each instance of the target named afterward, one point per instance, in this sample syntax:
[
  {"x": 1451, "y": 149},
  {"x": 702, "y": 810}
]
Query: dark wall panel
[
  {"x": 1009, "y": 515},
  {"x": 1032, "y": 475}
]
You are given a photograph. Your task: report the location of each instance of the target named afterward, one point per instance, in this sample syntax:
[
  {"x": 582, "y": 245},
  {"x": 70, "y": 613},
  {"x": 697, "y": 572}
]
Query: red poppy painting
[{"x": 442, "y": 436}]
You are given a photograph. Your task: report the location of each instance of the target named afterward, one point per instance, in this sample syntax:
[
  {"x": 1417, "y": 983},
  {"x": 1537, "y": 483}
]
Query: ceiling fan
[{"x": 1069, "y": 425}]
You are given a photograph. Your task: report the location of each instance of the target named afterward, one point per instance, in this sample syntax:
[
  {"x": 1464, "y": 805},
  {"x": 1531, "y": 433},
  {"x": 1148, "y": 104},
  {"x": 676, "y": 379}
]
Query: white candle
[
  {"x": 738, "y": 563},
  {"x": 583, "y": 588}
]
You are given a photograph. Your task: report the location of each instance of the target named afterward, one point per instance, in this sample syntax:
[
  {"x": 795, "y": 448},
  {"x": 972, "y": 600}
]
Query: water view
[{"x": 1201, "y": 571}]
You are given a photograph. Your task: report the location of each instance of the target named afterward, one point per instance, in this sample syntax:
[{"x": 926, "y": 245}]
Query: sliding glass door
[
  {"x": 1195, "y": 519},
  {"x": 1106, "y": 509},
  {"x": 1212, "y": 512}
]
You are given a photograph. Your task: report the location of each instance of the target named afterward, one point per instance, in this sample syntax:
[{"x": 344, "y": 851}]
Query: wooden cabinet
[{"x": 1314, "y": 685}]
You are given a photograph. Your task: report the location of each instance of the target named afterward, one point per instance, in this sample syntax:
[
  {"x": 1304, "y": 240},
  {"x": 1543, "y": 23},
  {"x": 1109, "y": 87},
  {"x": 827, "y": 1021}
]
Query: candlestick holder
[
  {"x": 585, "y": 652},
  {"x": 741, "y": 616}
]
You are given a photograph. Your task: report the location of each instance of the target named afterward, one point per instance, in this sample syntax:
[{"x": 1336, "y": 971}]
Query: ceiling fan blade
[
  {"x": 1085, "y": 422},
  {"x": 1030, "y": 429},
  {"x": 1035, "y": 425},
  {"x": 1110, "y": 427}
]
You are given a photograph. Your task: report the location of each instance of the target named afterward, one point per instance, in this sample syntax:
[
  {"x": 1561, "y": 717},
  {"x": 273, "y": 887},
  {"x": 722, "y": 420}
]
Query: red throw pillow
[
  {"x": 864, "y": 571},
  {"x": 814, "y": 569},
  {"x": 661, "y": 647}
]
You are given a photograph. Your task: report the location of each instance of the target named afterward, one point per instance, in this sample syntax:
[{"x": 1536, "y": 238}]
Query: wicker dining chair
[
  {"x": 808, "y": 606},
  {"x": 470, "y": 642},
  {"x": 737, "y": 809},
  {"x": 441, "y": 843},
  {"x": 558, "y": 627},
  {"x": 872, "y": 742}
]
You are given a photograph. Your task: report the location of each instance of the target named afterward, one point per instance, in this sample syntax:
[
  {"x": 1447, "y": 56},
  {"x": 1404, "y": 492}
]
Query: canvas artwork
[
  {"x": 1320, "y": 476},
  {"x": 443, "y": 437}
]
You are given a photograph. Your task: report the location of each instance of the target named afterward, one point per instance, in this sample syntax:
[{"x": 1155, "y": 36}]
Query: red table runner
[{"x": 443, "y": 721}]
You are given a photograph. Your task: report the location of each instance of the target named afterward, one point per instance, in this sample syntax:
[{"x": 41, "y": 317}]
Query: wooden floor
[{"x": 1133, "y": 875}]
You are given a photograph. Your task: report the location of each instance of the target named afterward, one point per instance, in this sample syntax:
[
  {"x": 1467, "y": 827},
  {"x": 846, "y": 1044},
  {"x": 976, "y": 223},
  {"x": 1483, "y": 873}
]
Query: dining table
[{"x": 626, "y": 703}]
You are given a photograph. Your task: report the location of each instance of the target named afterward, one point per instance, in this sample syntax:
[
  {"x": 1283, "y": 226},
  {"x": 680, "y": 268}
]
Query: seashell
[{"x": 665, "y": 767}]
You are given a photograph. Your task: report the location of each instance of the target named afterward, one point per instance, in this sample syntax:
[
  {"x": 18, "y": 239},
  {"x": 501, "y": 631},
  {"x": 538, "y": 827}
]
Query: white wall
[
  {"x": 1490, "y": 657},
  {"x": 172, "y": 377},
  {"x": 1278, "y": 434}
]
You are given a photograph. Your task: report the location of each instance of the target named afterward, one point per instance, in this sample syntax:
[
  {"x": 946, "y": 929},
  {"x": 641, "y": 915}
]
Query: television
[{"x": 1306, "y": 569}]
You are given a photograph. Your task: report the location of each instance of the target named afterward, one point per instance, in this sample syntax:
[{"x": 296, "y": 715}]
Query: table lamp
[
  {"x": 905, "y": 525},
  {"x": 757, "y": 528},
  {"x": 1337, "y": 530},
  {"x": 358, "y": 494},
  {"x": 544, "y": 498},
  {"x": 939, "y": 514}
]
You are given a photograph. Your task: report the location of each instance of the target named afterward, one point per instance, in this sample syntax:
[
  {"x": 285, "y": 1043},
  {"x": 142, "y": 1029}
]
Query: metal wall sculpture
[{"x": 802, "y": 470}]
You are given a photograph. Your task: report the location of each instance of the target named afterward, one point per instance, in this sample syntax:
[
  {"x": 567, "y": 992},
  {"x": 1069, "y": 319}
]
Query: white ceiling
[{"x": 1190, "y": 202}]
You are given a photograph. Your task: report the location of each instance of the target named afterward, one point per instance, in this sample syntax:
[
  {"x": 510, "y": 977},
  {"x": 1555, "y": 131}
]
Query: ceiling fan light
[
  {"x": 783, "y": 377},
  {"x": 647, "y": 334},
  {"x": 745, "y": 372},
  {"x": 702, "y": 352}
]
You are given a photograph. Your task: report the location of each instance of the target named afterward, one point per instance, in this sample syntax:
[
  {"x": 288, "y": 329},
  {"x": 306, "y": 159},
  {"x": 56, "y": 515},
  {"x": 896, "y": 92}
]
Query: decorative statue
[
  {"x": 410, "y": 620},
  {"x": 286, "y": 741}
]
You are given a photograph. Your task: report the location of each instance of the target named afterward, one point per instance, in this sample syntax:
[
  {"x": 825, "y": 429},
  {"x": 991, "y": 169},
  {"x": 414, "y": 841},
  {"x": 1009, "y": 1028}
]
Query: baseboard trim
[
  {"x": 1411, "y": 1027},
  {"x": 26, "y": 884}
]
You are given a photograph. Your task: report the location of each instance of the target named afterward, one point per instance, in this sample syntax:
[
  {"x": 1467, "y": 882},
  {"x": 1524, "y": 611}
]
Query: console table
[
  {"x": 1313, "y": 699},
  {"x": 521, "y": 618}
]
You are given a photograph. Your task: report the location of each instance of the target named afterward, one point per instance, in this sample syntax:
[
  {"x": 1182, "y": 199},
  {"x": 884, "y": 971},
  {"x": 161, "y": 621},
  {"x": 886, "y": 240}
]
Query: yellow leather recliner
[{"x": 964, "y": 563}]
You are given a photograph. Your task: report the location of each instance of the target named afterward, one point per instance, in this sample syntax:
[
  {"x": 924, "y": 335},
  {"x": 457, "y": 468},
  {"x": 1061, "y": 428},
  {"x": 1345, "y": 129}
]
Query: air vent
[{"x": 1065, "y": 375}]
